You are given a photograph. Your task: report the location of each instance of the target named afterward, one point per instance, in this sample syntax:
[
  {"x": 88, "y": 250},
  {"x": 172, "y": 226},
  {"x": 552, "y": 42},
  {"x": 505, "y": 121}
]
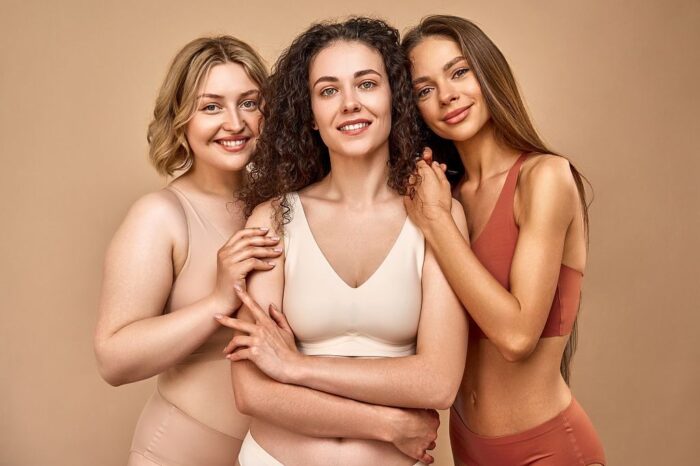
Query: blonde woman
[{"x": 175, "y": 259}]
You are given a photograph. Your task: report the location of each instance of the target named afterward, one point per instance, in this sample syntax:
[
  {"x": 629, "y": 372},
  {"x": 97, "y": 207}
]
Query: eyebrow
[
  {"x": 357, "y": 74},
  {"x": 217, "y": 96},
  {"x": 446, "y": 67}
]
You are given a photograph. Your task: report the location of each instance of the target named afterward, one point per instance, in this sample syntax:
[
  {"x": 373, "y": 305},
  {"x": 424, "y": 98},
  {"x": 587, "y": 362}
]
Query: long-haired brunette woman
[
  {"x": 519, "y": 274},
  {"x": 175, "y": 259},
  {"x": 356, "y": 282}
]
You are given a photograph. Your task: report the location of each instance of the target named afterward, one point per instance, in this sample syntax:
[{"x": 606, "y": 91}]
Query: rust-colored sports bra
[{"x": 495, "y": 247}]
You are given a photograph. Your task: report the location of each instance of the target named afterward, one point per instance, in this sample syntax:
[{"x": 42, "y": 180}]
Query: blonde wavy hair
[{"x": 177, "y": 99}]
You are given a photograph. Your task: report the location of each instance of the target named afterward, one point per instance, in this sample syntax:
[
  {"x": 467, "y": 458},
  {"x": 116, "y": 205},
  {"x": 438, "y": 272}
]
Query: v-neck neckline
[
  {"x": 328, "y": 263},
  {"x": 474, "y": 240}
]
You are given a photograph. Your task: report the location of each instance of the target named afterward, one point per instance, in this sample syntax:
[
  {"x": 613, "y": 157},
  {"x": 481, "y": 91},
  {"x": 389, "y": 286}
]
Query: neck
[
  {"x": 216, "y": 182},
  {"x": 483, "y": 155},
  {"x": 359, "y": 181}
]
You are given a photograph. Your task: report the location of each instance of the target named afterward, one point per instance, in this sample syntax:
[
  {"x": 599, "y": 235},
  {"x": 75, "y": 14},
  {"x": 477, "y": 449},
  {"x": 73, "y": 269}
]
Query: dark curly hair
[{"x": 290, "y": 155}]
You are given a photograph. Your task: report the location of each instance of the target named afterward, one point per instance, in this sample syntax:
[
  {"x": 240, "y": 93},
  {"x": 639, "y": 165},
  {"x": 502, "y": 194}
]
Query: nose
[
  {"x": 447, "y": 94},
  {"x": 350, "y": 103},
  {"x": 233, "y": 122}
]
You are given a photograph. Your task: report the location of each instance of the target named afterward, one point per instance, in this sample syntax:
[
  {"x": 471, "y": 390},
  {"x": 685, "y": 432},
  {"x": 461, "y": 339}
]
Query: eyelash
[
  {"x": 253, "y": 107},
  {"x": 458, "y": 73},
  {"x": 326, "y": 91}
]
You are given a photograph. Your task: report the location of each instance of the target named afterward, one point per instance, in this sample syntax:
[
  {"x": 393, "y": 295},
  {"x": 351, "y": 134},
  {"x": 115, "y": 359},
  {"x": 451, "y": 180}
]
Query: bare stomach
[
  {"x": 293, "y": 449},
  {"x": 499, "y": 398},
  {"x": 202, "y": 389}
]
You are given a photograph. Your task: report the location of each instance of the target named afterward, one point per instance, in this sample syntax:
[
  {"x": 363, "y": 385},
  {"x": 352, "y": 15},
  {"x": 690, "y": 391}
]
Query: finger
[
  {"x": 431, "y": 446},
  {"x": 439, "y": 173},
  {"x": 258, "y": 314},
  {"x": 280, "y": 318},
  {"x": 244, "y": 243},
  {"x": 427, "y": 459},
  {"x": 443, "y": 167},
  {"x": 246, "y": 232},
  {"x": 239, "y": 355},
  {"x": 428, "y": 154},
  {"x": 259, "y": 252},
  {"x": 237, "y": 342},
  {"x": 236, "y": 324}
]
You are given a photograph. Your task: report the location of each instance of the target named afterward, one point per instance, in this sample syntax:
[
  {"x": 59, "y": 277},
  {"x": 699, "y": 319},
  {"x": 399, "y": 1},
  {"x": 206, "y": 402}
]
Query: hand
[
  {"x": 248, "y": 249},
  {"x": 269, "y": 342},
  {"x": 431, "y": 199},
  {"x": 415, "y": 433}
]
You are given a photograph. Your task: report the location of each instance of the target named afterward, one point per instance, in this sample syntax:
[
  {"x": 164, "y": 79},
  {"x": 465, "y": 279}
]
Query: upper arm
[
  {"x": 443, "y": 328},
  {"x": 547, "y": 200},
  {"x": 138, "y": 268},
  {"x": 265, "y": 287}
]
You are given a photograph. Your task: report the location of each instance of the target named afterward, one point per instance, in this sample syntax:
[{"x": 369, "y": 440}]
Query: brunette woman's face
[
  {"x": 226, "y": 122},
  {"x": 447, "y": 92},
  {"x": 351, "y": 98}
]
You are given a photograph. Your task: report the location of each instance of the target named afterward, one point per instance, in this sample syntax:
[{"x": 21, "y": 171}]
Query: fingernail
[
  {"x": 274, "y": 238},
  {"x": 264, "y": 228},
  {"x": 218, "y": 316},
  {"x": 277, "y": 249},
  {"x": 237, "y": 287},
  {"x": 270, "y": 263}
]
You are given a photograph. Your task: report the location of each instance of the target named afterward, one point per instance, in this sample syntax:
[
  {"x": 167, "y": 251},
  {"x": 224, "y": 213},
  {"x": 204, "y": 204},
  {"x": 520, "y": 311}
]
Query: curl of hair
[
  {"x": 290, "y": 154},
  {"x": 512, "y": 124},
  {"x": 176, "y": 103}
]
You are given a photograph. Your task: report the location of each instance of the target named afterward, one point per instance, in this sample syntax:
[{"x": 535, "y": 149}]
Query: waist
[
  {"x": 293, "y": 448},
  {"x": 203, "y": 391}
]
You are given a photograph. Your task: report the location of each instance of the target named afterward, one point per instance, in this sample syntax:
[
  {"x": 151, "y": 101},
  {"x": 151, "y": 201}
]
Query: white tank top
[{"x": 330, "y": 318}]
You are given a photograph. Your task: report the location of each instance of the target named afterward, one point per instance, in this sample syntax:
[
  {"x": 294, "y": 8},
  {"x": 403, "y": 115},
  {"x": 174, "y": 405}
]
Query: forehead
[
  {"x": 431, "y": 54},
  {"x": 344, "y": 58},
  {"x": 227, "y": 78}
]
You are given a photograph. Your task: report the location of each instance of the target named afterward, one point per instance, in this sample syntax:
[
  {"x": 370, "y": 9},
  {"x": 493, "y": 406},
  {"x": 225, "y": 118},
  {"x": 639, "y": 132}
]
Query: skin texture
[
  {"x": 550, "y": 221},
  {"x": 137, "y": 335},
  {"x": 351, "y": 198}
]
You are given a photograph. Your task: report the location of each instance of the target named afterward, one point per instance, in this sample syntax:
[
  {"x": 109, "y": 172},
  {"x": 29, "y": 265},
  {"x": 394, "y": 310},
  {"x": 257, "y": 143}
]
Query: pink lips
[
  {"x": 353, "y": 132},
  {"x": 229, "y": 143},
  {"x": 457, "y": 116}
]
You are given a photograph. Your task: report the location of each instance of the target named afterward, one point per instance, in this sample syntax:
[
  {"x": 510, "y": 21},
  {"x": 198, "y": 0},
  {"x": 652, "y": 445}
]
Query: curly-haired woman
[
  {"x": 520, "y": 274},
  {"x": 162, "y": 281},
  {"x": 356, "y": 282}
]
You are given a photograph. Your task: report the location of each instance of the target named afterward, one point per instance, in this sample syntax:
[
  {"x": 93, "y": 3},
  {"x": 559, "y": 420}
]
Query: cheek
[{"x": 254, "y": 121}]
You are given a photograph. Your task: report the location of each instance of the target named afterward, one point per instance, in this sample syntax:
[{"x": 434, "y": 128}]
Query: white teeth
[
  {"x": 235, "y": 143},
  {"x": 353, "y": 127}
]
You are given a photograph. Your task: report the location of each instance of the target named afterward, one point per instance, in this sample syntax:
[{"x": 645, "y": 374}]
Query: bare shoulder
[
  {"x": 263, "y": 215},
  {"x": 547, "y": 175},
  {"x": 161, "y": 209}
]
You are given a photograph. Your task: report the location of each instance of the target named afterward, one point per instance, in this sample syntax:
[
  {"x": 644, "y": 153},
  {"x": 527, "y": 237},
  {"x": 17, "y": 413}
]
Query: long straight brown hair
[{"x": 511, "y": 121}]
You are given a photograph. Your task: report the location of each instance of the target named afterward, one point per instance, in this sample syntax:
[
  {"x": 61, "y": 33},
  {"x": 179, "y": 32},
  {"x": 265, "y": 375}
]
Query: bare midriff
[{"x": 498, "y": 397}]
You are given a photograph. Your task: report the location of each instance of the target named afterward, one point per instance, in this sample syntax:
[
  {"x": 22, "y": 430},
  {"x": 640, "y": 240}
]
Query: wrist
[
  {"x": 296, "y": 369},
  {"x": 221, "y": 305},
  {"x": 391, "y": 420}
]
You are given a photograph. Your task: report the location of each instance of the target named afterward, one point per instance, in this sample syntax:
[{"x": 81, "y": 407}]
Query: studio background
[{"x": 611, "y": 84}]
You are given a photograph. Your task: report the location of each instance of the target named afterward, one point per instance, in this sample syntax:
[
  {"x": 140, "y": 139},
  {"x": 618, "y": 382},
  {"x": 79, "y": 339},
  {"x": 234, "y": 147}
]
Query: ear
[{"x": 314, "y": 126}]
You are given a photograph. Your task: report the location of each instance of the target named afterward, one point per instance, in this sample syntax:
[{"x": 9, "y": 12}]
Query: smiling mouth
[
  {"x": 354, "y": 126},
  {"x": 456, "y": 116},
  {"x": 233, "y": 144}
]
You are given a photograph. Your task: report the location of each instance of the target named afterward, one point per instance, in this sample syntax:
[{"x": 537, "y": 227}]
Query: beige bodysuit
[{"x": 192, "y": 417}]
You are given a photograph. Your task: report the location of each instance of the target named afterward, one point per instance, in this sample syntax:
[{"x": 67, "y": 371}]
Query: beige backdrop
[{"x": 612, "y": 84}]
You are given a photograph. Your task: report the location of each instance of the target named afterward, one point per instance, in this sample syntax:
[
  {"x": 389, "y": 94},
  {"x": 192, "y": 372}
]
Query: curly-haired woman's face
[
  {"x": 226, "y": 121},
  {"x": 447, "y": 92},
  {"x": 351, "y": 99}
]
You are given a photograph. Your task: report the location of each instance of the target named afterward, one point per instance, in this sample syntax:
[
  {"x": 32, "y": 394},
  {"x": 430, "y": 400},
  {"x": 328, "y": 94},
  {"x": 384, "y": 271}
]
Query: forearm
[
  {"x": 308, "y": 411},
  {"x": 497, "y": 312},
  {"x": 416, "y": 381},
  {"x": 147, "y": 347}
]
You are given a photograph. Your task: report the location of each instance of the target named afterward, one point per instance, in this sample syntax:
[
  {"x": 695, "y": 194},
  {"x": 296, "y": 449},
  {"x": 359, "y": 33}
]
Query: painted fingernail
[
  {"x": 270, "y": 263},
  {"x": 218, "y": 316},
  {"x": 264, "y": 228},
  {"x": 277, "y": 249},
  {"x": 274, "y": 238},
  {"x": 237, "y": 287}
]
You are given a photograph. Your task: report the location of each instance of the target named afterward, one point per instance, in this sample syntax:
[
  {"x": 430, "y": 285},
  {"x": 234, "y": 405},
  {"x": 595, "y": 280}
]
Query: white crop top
[{"x": 329, "y": 318}]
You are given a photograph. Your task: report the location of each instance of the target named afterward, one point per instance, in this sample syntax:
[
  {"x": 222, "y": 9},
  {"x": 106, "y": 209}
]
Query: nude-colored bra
[
  {"x": 379, "y": 318},
  {"x": 495, "y": 248}
]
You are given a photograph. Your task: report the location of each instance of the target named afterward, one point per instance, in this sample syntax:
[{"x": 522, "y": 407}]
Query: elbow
[
  {"x": 242, "y": 392},
  {"x": 108, "y": 370},
  {"x": 443, "y": 394},
  {"x": 518, "y": 347}
]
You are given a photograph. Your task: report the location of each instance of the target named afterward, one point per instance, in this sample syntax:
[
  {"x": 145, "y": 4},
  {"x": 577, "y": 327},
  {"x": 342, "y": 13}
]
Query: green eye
[
  {"x": 329, "y": 91},
  {"x": 211, "y": 108},
  {"x": 249, "y": 104},
  {"x": 367, "y": 85}
]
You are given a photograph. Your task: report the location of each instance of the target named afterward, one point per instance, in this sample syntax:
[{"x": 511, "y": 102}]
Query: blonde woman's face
[
  {"x": 447, "y": 92},
  {"x": 226, "y": 122}
]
